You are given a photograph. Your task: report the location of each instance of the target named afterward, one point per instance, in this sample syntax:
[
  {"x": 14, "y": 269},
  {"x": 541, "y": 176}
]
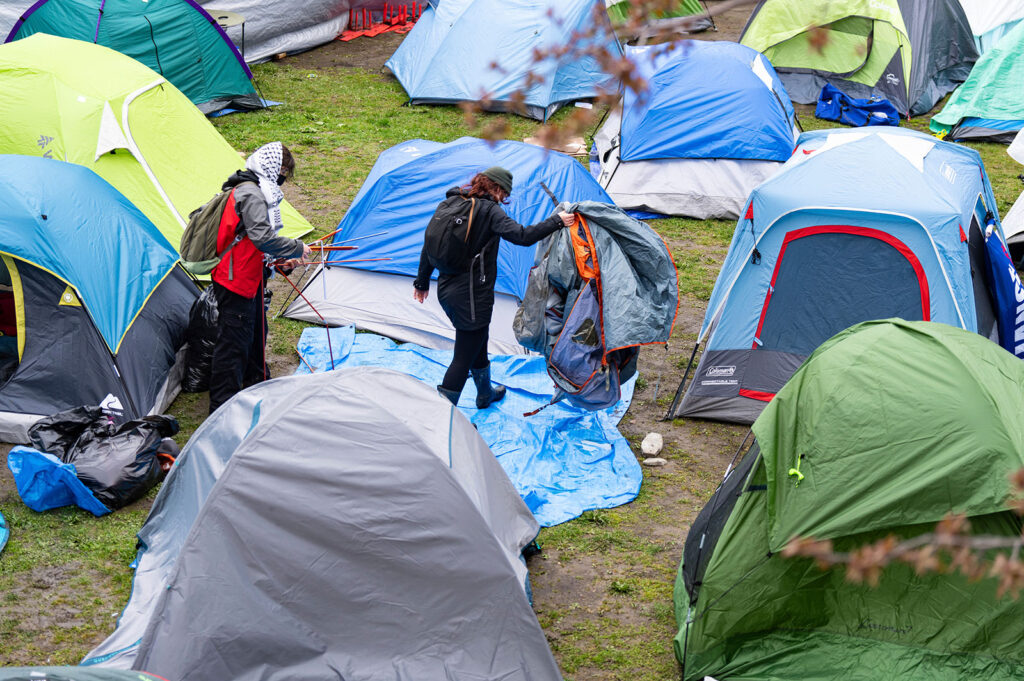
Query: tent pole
[{"x": 682, "y": 384}]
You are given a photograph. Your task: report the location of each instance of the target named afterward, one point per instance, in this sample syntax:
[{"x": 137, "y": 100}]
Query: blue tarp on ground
[
  {"x": 5, "y": 533},
  {"x": 563, "y": 460},
  {"x": 44, "y": 482}
]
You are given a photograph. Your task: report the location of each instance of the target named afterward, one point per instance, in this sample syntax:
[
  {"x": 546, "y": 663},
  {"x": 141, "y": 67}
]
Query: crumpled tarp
[
  {"x": 45, "y": 482},
  {"x": 5, "y": 533},
  {"x": 563, "y": 460}
]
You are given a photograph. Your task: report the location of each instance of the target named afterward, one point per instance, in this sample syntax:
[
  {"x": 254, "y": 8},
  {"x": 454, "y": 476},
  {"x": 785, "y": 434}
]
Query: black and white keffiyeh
[{"x": 266, "y": 163}]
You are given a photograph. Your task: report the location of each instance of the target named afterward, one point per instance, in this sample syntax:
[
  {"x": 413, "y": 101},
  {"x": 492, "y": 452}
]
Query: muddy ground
[{"x": 583, "y": 588}]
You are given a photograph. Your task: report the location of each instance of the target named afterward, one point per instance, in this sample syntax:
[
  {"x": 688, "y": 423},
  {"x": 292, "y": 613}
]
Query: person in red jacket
[{"x": 253, "y": 217}]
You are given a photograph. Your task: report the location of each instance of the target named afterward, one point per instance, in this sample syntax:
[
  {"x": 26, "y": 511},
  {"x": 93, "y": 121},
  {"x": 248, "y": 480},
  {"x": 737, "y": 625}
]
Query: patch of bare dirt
[{"x": 364, "y": 53}]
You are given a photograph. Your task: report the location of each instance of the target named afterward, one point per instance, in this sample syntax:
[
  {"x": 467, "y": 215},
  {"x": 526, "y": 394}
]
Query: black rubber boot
[
  {"x": 486, "y": 393},
  {"x": 452, "y": 395}
]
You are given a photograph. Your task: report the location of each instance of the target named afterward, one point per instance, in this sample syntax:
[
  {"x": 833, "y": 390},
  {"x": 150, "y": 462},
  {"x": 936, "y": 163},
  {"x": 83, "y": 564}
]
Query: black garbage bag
[
  {"x": 201, "y": 337},
  {"x": 118, "y": 463}
]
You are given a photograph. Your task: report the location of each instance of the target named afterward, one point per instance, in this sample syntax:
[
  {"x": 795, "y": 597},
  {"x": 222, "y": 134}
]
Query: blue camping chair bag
[{"x": 835, "y": 105}]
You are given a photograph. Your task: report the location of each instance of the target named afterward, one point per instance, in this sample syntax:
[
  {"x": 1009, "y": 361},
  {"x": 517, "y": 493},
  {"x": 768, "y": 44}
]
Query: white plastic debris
[{"x": 652, "y": 444}]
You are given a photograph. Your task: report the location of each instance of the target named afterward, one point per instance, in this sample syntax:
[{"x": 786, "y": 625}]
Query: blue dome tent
[
  {"x": 466, "y": 50},
  {"x": 858, "y": 225},
  {"x": 714, "y": 122},
  {"x": 392, "y": 209},
  {"x": 93, "y": 307},
  {"x": 176, "y": 38}
]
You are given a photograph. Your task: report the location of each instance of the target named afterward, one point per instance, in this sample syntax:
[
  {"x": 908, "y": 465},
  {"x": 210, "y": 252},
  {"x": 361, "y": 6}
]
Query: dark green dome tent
[
  {"x": 175, "y": 38},
  {"x": 892, "y": 425}
]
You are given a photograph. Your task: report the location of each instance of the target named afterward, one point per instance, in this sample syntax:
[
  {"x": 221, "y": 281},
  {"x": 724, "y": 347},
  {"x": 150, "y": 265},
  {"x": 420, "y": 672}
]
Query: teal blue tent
[{"x": 176, "y": 38}]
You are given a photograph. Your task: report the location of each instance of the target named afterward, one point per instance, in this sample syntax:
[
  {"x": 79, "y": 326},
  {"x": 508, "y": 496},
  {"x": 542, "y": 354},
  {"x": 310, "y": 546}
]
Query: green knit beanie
[{"x": 500, "y": 177}]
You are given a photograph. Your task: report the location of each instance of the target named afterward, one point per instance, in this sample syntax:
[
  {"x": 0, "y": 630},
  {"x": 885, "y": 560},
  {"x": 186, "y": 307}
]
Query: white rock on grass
[
  {"x": 655, "y": 461},
  {"x": 652, "y": 444}
]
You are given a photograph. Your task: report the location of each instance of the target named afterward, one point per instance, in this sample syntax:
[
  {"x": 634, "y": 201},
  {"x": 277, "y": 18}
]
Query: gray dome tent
[{"x": 351, "y": 524}]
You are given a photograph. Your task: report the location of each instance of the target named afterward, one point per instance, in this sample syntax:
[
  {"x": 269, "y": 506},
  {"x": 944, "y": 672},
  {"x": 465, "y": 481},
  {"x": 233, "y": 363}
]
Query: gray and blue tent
[
  {"x": 351, "y": 524},
  {"x": 599, "y": 290},
  {"x": 176, "y": 38},
  {"x": 858, "y": 225},
  {"x": 93, "y": 304},
  {"x": 483, "y": 51}
]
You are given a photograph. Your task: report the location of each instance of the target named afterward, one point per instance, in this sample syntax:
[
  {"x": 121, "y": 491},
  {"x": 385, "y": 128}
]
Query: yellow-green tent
[{"x": 87, "y": 104}]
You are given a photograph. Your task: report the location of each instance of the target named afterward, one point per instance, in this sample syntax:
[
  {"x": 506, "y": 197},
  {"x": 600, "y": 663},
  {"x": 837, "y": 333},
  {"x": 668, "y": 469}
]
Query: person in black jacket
[{"x": 468, "y": 298}]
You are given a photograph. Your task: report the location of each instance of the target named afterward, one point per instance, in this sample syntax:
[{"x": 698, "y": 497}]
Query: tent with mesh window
[
  {"x": 176, "y": 38},
  {"x": 911, "y": 52},
  {"x": 887, "y": 428},
  {"x": 860, "y": 224},
  {"x": 93, "y": 305}
]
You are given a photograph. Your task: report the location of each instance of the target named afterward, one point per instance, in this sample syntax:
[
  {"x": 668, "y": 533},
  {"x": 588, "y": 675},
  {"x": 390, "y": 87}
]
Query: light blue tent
[
  {"x": 471, "y": 50},
  {"x": 93, "y": 307},
  {"x": 859, "y": 225},
  {"x": 714, "y": 122},
  {"x": 388, "y": 217}
]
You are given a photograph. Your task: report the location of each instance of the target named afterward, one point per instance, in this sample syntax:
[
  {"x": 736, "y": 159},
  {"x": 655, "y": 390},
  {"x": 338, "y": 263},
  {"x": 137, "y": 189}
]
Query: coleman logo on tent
[
  {"x": 891, "y": 79},
  {"x": 721, "y": 371}
]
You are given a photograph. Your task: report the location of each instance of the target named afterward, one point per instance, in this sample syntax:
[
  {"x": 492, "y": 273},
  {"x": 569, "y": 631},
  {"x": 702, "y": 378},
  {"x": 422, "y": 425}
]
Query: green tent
[
  {"x": 911, "y": 52},
  {"x": 990, "y": 103},
  {"x": 87, "y": 104},
  {"x": 892, "y": 425},
  {"x": 618, "y": 11},
  {"x": 175, "y": 38}
]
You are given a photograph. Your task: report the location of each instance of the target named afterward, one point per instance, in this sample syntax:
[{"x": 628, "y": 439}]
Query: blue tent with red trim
[{"x": 858, "y": 225}]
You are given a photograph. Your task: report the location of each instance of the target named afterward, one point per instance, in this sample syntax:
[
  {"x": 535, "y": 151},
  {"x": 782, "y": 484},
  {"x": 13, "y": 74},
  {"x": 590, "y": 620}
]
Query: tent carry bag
[{"x": 198, "y": 247}]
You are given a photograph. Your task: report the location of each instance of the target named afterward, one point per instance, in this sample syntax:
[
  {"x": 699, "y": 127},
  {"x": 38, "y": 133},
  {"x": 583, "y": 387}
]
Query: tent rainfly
[
  {"x": 990, "y": 104},
  {"x": 175, "y": 38},
  {"x": 93, "y": 307},
  {"x": 359, "y": 519},
  {"x": 714, "y": 122},
  {"x": 389, "y": 214},
  {"x": 860, "y": 224},
  {"x": 483, "y": 51},
  {"x": 990, "y": 20},
  {"x": 87, "y": 104},
  {"x": 888, "y": 427},
  {"x": 911, "y": 52}
]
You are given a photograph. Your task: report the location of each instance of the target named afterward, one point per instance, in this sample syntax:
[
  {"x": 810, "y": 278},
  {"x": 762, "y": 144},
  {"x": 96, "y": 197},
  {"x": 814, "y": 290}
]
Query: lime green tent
[
  {"x": 885, "y": 429},
  {"x": 911, "y": 52},
  {"x": 618, "y": 11},
  {"x": 990, "y": 103},
  {"x": 87, "y": 104}
]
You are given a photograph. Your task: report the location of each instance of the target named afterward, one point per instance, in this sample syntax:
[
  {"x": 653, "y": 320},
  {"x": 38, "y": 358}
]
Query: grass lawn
[{"x": 604, "y": 583}]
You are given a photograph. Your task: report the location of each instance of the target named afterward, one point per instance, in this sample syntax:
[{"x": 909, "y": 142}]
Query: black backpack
[{"x": 446, "y": 239}]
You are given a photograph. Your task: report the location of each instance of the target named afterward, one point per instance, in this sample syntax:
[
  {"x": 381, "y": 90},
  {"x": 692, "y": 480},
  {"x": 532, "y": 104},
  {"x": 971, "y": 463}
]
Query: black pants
[
  {"x": 470, "y": 353},
  {"x": 239, "y": 355}
]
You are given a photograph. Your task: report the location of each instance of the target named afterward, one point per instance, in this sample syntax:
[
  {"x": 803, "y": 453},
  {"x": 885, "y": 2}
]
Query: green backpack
[{"x": 198, "y": 246}]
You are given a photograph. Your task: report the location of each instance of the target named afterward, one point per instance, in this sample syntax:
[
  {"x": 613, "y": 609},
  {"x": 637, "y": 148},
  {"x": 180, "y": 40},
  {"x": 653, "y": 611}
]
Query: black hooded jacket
[{"x": 462, "y": 295}]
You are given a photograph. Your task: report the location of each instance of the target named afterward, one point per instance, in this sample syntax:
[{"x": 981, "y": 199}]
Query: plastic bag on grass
[
  {"x": 118, "y": 464},
  {"x": 201, "y": 337}
]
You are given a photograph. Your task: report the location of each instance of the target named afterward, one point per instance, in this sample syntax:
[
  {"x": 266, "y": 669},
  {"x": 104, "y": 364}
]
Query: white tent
[{"x": 991, "y": 19}]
